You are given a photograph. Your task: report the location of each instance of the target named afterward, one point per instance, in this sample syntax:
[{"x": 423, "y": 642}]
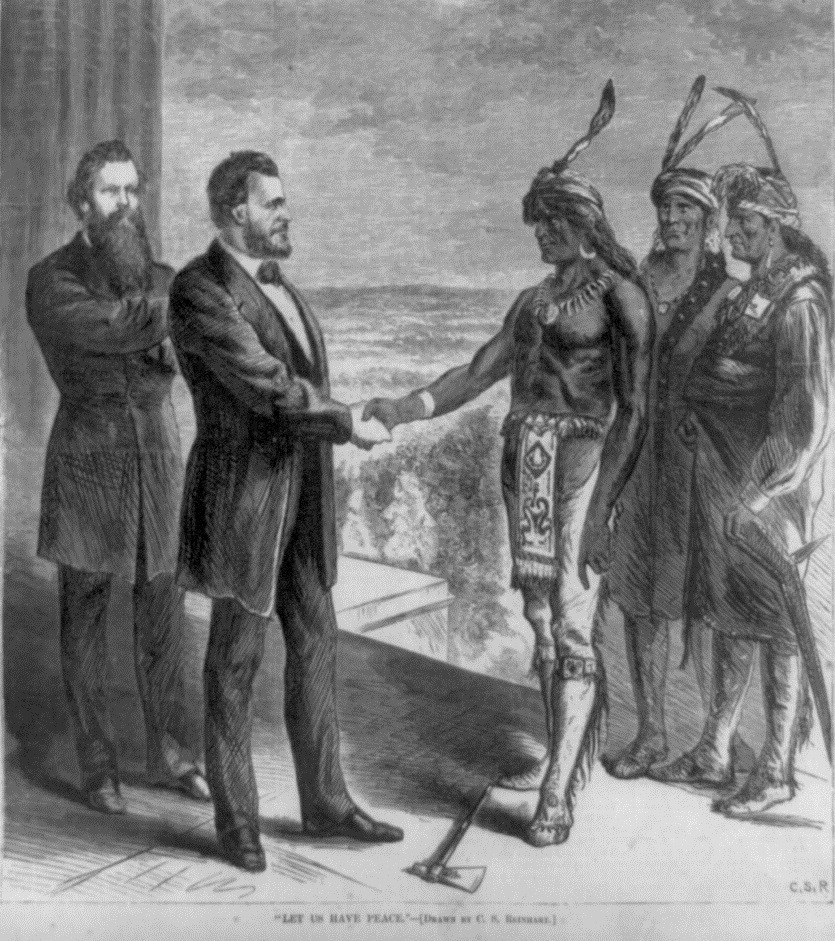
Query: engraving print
[{"x": 417, "y": 474}]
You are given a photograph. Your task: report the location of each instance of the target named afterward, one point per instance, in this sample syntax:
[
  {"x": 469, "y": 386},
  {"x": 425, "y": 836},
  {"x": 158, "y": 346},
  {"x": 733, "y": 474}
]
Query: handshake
[
  {"x": 366, "y": 432},
  {"x": 373, "y": 420}
]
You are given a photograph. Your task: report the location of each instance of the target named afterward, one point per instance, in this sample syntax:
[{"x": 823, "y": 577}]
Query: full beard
[
  {"x": 260, "y": 245},
  {"x": 123, "y": 250}
]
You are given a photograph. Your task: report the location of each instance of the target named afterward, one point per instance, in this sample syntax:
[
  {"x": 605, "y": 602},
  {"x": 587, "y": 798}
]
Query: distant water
[{"x": 388, "y": 340}]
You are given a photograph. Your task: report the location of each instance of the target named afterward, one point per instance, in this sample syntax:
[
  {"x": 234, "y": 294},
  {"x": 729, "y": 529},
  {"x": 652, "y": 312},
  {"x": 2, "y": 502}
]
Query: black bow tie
[{"x": 269, "y": 272}]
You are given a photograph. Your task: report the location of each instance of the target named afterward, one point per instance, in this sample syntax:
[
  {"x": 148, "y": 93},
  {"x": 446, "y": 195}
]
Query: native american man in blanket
[{"x": 577, "y": 348}]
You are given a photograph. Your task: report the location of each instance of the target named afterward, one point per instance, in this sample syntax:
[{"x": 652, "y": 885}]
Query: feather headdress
[
  {"x": 694, "y": 96},
  {"x": 742, "y": 186},
  {"x": 557, "y": 181},
  {"x": 603, "y": 115},
  {"x": 749, "y": 110},
  {"x": 691, "y": 183},
  {"x": 674, "y": 153}
]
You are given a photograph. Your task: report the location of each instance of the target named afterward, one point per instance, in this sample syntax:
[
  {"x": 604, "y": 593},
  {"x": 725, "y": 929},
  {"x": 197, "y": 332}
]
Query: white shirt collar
[
  {"x": 280, "y": 298},
  {"x": 247, "y": 262}
]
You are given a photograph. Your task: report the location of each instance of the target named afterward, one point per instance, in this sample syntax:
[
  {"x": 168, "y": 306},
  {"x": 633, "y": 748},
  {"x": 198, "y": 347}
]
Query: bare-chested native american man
[{"x": 574, "y": 346}]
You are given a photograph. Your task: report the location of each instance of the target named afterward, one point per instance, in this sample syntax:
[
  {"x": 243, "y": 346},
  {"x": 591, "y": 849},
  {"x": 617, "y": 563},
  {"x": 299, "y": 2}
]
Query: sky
[{"x": 407, "y": 131}]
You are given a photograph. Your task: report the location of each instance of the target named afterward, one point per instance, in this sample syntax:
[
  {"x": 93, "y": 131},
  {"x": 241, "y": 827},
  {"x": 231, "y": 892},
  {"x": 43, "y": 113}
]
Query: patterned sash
[{"x": 534, "y": 524}]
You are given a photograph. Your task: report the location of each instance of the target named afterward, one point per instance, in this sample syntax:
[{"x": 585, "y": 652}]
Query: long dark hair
[
  {"x": 798, "y": 243},
  {"x": 544, "y": 203}
]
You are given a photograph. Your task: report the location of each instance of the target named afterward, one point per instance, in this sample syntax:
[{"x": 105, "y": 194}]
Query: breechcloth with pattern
[{"x": 550, "y": 465}]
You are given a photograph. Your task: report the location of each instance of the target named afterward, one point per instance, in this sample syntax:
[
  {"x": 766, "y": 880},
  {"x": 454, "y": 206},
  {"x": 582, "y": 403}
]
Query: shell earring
[
  {"x": 587, "y": 253},
  {"x": 713, "y": 241}
]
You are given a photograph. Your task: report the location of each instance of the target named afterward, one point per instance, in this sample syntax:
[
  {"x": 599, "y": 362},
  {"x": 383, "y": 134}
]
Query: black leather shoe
[
  {"x": 357, "y": 825},
  {"x": 243, "y": 849},
  {"x": 193, "y": 784},
  {"x": 107, "y": 798}
]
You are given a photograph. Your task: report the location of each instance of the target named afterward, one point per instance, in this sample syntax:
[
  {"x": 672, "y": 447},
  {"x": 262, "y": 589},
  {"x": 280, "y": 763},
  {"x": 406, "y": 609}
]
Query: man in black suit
[
  {"x": 258, "y": 530},
  {"x": 98, "y": 307}
]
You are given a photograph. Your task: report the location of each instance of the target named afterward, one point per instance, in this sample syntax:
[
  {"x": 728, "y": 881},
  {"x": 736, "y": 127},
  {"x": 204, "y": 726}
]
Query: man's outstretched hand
[
  {"x": 385, "y": 411},
  {"x": 366, "y": 432}
]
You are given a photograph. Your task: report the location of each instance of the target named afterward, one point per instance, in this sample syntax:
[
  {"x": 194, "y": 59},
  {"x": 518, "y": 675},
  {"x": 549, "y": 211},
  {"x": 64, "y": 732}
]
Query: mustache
[
  {"x": 120, "y": 226},
  {"x": 260, "y": 244}
]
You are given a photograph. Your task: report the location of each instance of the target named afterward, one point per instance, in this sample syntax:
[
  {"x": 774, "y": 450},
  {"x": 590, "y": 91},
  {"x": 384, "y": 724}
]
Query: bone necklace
[{"x": 551, "y": 310}]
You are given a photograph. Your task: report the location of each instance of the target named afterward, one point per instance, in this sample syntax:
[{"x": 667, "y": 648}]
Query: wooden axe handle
[{"x": 442, "y": 854}]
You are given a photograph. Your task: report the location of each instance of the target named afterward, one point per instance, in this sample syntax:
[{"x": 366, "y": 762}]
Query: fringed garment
[
  {"x": 649, "y": 549},
  {"x": 593, "y": 738},
  {"x": 761, "y": 398}
]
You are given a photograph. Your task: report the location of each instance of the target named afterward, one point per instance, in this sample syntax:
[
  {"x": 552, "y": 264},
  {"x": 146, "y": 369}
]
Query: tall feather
[
  {"x": 730, "y": 112},
  {"x": 747, "y": 106},
  {"x": 693, "y": 98},
  {"x": 602, "y": 117}
]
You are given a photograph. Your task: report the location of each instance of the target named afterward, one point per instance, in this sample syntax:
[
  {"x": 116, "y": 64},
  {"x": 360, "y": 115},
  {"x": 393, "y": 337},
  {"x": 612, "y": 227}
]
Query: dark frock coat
[
  {"x": 113, "y": 461},
  {"x": 264, "y": 434}
]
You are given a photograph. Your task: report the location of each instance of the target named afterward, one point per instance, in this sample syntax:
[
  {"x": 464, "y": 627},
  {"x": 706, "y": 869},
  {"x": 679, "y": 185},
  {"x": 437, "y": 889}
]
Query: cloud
[
  {"x": 416, "y": 72},
  {"x": 455, "y": 105}
]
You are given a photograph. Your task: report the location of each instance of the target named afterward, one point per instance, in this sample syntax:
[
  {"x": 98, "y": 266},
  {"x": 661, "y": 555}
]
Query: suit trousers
[
  {"x": 158, "y": 659},
  {"x": 236, "y": 647}
]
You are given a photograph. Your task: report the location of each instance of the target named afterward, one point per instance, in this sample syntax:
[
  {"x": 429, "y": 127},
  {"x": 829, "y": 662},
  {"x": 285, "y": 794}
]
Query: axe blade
[{"x": 468, "y": 878}]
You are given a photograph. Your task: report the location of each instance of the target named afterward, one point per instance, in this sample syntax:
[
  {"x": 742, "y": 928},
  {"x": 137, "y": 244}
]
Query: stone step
[{"x": 394, "y": 605}]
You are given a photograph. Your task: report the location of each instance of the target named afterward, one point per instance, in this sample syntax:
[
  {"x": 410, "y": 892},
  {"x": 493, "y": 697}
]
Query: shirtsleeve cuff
[
  {"x": 294, "y": 398},
  {"x": 428, "y": 403}
]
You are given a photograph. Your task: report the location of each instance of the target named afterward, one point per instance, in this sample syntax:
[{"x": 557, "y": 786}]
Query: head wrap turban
[
  {"x": 746, "y": 188},
  {"x": 676, "y": 180}
]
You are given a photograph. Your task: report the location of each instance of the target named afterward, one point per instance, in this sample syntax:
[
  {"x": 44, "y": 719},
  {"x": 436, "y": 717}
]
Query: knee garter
[{"x": 575, "y": 668}]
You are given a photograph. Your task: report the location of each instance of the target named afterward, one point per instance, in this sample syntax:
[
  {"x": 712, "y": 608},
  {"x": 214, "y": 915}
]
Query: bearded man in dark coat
[
  {"x": 113, "y": 474},
  {"x": 760, "y": 400},
  {"x": 258, "y": 531}
]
